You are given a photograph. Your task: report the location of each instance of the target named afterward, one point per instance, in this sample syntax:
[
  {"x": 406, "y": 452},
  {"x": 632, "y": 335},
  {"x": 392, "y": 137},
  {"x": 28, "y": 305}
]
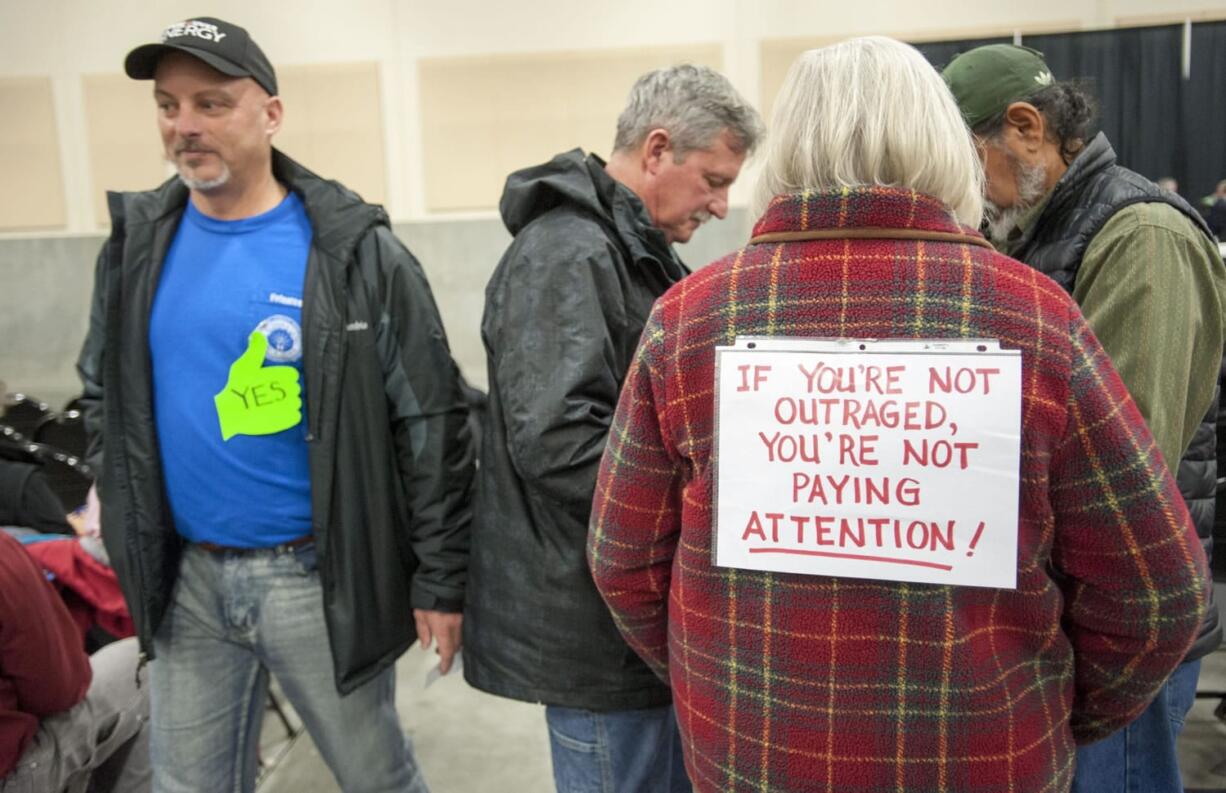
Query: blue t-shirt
[{"x": 221, "y": 280}]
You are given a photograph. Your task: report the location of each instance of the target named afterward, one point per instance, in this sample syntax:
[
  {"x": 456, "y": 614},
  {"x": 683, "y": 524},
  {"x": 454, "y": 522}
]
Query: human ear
[
  {"x": 1028, "y": 124},
  {"x": 657, "y": 143},
  {"x": 274, "y": 113}
]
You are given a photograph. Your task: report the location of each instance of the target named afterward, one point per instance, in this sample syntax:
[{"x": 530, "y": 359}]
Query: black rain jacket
[
  {"x": 389, "y": 450},
  {"x": 563, "y": 314}
]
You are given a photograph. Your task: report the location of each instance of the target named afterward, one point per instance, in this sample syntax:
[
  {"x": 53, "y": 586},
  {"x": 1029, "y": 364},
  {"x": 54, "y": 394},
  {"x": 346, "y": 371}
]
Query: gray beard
[
  {"x": 205, "y": 185},
  {"x": 1001, "y": 221}
]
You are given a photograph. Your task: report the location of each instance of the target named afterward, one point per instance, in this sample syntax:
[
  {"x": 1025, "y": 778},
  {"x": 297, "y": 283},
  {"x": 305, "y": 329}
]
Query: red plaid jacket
[{"x": 788, "y": 682}]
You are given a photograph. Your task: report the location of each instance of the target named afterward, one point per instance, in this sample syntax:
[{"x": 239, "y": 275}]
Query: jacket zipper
[{"x": 113, "y": 405}]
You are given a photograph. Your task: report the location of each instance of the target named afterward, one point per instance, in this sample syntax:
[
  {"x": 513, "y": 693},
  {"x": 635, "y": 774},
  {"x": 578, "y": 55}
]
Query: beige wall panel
[
  {"x": 334, "y": 124},
  {"x": 483, "y": 118},
  {"x": 777, "y": 55},
  {"x": 1147, "y": 12},
  {"x": 125, "y": 150},
  {"x": 33, "y": 194},
  {"x": 1147, "y": 15}
]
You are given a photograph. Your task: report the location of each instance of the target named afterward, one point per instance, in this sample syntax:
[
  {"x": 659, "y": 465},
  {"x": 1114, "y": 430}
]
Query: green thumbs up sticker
[{"x": 258, "y": 399}]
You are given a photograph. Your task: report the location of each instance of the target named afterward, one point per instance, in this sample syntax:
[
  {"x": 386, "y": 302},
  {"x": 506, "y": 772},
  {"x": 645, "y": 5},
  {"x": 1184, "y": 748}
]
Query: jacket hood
[
  {"x": 579, "y": 181},
  {"x": 566, "y": 179}
]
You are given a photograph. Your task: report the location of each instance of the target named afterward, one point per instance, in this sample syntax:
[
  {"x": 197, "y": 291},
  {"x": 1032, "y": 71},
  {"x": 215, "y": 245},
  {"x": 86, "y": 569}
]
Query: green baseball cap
[{"x": 988, "y": 79}]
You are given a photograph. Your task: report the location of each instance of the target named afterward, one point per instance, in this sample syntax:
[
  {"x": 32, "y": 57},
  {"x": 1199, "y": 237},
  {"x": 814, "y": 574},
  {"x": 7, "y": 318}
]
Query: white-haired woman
[{"x": 789, "y": 682}]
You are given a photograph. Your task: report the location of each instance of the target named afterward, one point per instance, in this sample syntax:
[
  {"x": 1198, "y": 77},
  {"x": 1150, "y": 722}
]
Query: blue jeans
[
  {"x": 1141, "y": 757},
  {"x": 620, "y": 751},
  {"x": 234, "y": 618}
]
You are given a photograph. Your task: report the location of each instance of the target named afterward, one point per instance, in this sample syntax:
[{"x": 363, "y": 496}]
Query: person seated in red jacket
[{"x": 68, "y": 721}]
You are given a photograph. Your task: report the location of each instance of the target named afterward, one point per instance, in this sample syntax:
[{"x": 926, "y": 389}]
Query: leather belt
[{"x": 285, "y": 546}]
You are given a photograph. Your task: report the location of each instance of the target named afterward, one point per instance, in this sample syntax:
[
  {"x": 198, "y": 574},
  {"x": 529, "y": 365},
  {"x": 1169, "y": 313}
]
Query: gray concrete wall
[{"x": 45, "y": 286}]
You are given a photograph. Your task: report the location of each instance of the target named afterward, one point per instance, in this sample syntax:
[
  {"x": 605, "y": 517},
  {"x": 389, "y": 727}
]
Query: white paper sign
[{"x": 889, "y": 460}]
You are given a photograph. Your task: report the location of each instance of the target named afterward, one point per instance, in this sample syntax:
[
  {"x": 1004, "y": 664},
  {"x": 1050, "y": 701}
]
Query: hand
[
  {"x": 76, "y": 520},
  {"x": 445, "y": 627}
]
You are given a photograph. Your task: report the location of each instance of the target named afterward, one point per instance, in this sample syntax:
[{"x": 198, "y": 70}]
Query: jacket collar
[
  {"x": 579, "y": 181},
  {"x": 858, "y": 207},
  {"x": 1096, "y": 157},
  {"x": 339, "y": 217},
  {"x": 644, "y": 240}
]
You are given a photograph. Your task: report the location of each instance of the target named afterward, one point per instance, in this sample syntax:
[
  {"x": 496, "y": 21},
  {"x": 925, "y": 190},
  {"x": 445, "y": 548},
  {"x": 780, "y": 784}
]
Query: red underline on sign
[{"x": 862, "y": 557}]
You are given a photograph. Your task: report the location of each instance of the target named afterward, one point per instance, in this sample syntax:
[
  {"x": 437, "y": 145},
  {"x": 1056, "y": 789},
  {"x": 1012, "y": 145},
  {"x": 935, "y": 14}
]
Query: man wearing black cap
[
  {"x": 281, "y": 435},
  {"x": 1145, "y": 270}
]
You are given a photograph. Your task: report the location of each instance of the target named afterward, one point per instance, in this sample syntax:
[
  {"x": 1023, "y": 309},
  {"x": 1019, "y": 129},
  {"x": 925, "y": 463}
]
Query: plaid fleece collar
[{"x": 858, "y": 207}]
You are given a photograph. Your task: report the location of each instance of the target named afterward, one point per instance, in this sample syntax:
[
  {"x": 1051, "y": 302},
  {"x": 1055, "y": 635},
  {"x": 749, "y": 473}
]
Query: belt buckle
[
  {"x": 293, "y": 545},
  {"x": 284, "y": 547}
]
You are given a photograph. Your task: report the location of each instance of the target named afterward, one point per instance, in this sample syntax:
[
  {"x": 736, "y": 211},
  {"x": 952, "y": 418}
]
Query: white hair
[{"x": 870, "y": 111}]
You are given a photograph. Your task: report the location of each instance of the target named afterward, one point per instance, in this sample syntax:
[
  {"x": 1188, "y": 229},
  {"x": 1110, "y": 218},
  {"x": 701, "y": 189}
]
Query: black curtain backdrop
[
  {"x": 1204, "y": 112},
  {"x": 940, "y": 53},
  {"x": 1135, "y": 73}
]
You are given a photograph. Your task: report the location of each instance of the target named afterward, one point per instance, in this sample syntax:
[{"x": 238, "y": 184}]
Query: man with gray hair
[{"x": 563, "y": 314}]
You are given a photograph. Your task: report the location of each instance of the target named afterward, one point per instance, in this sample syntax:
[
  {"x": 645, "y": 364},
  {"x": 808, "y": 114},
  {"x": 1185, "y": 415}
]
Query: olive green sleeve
[{"x": 1153, "y": 289}]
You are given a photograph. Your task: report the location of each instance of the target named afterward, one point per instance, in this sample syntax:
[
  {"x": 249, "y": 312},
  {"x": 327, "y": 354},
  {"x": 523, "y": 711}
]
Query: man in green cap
[{"x": 1146, "y": 271}]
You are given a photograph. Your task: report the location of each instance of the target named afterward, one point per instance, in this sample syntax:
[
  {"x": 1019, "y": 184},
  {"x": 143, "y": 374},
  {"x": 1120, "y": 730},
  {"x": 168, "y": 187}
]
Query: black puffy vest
[{"x": 1092, "y": 190}]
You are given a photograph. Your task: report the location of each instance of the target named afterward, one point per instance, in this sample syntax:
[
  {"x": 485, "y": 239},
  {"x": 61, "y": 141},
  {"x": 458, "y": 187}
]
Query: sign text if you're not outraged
[{"x": 888, "y": 460}]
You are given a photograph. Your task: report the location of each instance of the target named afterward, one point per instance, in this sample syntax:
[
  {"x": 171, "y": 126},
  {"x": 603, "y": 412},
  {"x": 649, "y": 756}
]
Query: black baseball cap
[{"x": 225, "y": 47}]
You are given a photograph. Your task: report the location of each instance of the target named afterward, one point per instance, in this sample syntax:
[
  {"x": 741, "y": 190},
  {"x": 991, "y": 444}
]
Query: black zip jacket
[
  {"x": 563, "y": 314},
  {"x": 385, "y": 422}
]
